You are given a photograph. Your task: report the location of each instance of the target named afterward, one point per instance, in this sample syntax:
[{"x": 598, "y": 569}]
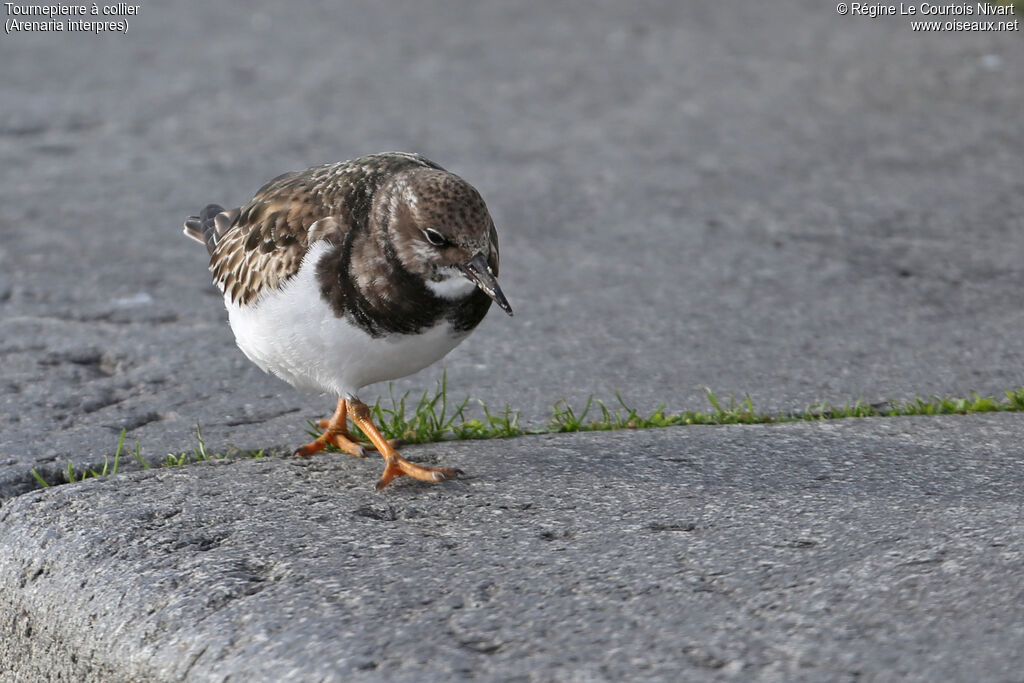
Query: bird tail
[{"x": 210, "y": 225}]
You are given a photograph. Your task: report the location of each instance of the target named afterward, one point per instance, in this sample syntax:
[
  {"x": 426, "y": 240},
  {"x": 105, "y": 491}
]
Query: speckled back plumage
[
  {"x": 269, "y": 236},
  {"x": 256, "y": 248}
]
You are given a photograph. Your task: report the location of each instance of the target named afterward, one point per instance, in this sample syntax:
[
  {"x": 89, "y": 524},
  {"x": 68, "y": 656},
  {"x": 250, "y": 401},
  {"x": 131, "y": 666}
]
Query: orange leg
[
  {"x": 325, "y": 423},
  {"x": 335, "y": 433},
  {"x": 394, "y": 464}
]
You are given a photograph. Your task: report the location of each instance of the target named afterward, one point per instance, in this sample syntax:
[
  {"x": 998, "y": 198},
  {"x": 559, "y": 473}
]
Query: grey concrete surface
[
  {"x": 852, "y": 550},
  {"x": 768, "y": 200},
  {"x": 782, "y": 202}
]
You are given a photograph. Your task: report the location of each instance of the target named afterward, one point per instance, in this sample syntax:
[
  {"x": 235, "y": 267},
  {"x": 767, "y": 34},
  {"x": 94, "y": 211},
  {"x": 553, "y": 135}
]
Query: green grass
[
  {"x": 432, "y": 417},
  {"x": 71, "y": 475},
  {"x": 565, "y": 419},
  {"x": 431, "y": 420}
]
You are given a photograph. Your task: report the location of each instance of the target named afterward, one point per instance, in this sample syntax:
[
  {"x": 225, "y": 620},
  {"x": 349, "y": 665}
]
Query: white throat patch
[{"x": 455, "y": 286}]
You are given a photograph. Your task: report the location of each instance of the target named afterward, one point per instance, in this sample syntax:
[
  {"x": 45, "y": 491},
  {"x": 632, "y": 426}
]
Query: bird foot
[
  {"x": 340, "y": 440},
  {"x": 397, "y": 466},
  {"x": 336, "y": 433}
]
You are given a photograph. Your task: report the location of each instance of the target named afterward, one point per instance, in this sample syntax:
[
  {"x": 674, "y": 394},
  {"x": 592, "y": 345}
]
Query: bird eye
[{"x": 435, "y": 238}]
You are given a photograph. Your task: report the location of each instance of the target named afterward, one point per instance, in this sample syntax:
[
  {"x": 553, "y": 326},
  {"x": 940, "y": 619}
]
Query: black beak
[{"x": 480, "y": 274}]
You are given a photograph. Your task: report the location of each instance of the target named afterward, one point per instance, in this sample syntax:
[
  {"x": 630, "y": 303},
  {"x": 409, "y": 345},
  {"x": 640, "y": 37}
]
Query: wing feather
[
  {"x": 263, "y": 242},
  {"x": 261, "y": 245}
]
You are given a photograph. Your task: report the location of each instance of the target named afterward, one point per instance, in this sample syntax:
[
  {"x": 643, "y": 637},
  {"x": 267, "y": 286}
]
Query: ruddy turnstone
[{"x": 353, "y": 273}]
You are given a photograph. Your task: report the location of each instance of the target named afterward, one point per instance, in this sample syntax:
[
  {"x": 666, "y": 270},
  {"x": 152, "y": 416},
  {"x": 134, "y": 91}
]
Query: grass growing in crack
[
  {"x": 975, "y": 403},
  {"x": 198, "y": 454},
  {"x": 565, "y": 419},
  {"x": 71, "y": 476},
  {"x": 434, "y": 419},
  {"x": 624, "y": 416},
  {"x": 201, "y": 454},
  {"x": 493, "y": 426}
]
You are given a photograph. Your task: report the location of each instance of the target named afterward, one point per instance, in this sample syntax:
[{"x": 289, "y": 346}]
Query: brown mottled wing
[{"x": 268, "y": 237}]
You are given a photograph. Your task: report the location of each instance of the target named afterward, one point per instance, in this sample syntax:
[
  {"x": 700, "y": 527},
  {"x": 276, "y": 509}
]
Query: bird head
[{"x": 440, "y": 230}]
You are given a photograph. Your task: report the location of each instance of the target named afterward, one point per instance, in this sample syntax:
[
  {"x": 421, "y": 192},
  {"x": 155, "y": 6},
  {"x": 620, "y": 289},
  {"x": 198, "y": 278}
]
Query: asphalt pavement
[
  {"x": 782, "y": 202},
  {"x": 848, "y": 550}
]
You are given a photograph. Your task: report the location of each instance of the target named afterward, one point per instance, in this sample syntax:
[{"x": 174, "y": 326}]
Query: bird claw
[
  {"x": 336, "y": 433},
  {"x": 398, "y": 466}
]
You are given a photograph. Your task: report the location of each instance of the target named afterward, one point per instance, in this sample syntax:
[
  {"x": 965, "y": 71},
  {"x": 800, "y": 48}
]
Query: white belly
[{"x": 294, "y": 334}]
